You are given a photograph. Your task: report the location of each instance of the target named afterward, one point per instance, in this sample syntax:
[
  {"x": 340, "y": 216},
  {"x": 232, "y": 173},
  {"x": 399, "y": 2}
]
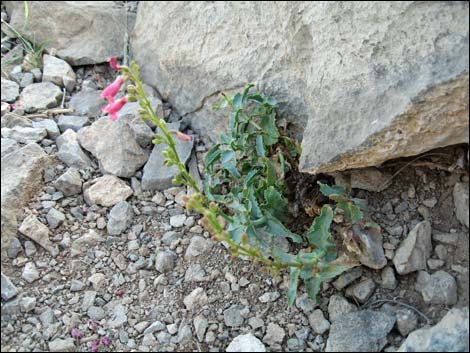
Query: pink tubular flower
[
  {"x": 110, "y": 92},
  {"x": 105, "y": 340},
  {"x": 76, "y": 333},
  {"x": 181, "y": 136},
  {"x": 113, "y": 63},
  {"x": 95, "y": 345},
  {"x": 92, "y": 325},
  {"x": 114, "y": 107}
]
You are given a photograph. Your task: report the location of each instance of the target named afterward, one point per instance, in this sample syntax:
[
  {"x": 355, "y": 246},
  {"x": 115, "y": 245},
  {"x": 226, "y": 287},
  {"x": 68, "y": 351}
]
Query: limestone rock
[
  {"x": 69, "y": 183},
  {"x": 74, "y": 122},
  {"x": 25, "y": 134},
  {"x": 438, "y": 288},
  {"x": 246, "y": 343},
  {"x": 156, "y": 175},
  {"x": 114, "y": 145},
  {"x": 58, "y": 71},
  {"x": 414, "y": 250},
  {"x": 361, "y": 331},
  {"x": 388, "y": 93},
  {"x": 38, "y": 232},
  {"x": 84, "y": 33},
  {"x": 38, "y": 96},
  {"x": 10, "y": 91},
  {"x": 107, "y": 191},
  {"x": 120, "y": 218},
  {"x": 70, "y": 151},
  {"x": 87, "y": 103},
  {"x": 451, "y": 334},
  {"x": 50, "y": 125},
  {"x": 21, "y": 179},
  {"x": 8, "y": 146},
  {"x": 9, "y": 290}
]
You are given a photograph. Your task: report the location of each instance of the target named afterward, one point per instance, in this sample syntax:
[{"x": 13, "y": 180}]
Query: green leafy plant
[{"x": 243, "y": 202}]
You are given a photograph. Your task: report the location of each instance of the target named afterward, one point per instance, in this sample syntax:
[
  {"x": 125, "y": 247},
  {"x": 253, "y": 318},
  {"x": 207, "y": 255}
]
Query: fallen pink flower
[
  {"x": 76, "y": 333},
  {"x": 113, "y": 63},
  {"x": 105, "y": 340},
  {"x": 110, "y": 92},
  {"x": 181, "y": 136},
  {"x": 113, "y": 108},
  {"x": 92, "y": 325},
  {"x": 119, "y": 292},
  {"x": 95, "y": 345}
]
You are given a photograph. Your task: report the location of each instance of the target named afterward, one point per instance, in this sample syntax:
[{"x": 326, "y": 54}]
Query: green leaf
[
  {"x": 277, "y": 229},
  {"x": 260, "y": 146},
  {"x": 331, "y": 190},
  {"x": 228, "y": 162},
  {"x": 313, "y": 286},
  {"x": 245, "y": 92},
  {"x": 237, "y": 101},
  {"x": 212, "y": 155},
  {"x": 222, "y": 103},
  {"x": 255, "y": 209},
  {"x": 268, "y": 123},
  {"x": 271, "y": 176},
  {"x": 319, "y": 232},
  {"x": 249, "y": 177},
  {"x": 293, "y": 284},
  {"x": 275, "y": 203},
  {"x": 352, "y": 212}
]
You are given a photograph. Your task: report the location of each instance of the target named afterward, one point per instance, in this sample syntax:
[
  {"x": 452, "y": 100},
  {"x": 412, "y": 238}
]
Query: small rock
[
  {"x": 24, "y": 134},
  {"x": 60, "y": 345},
  {"x": 305, "y": 303},
  {"x": 55, "y": 218},
  {"x": 165, "y": 261},
  {"x": 185, "y": 334},
  {"x": 446, "y": 238},
  {"x": 14, "y": 248},
  {"x": 449, "y": 335},
  {"x": 361, "y": 331},
  {"x": 120, "y": 218},
  {"x": 274, "y": 334},
  {"x": 339, "y": 306},
  {"x": 50, "y": 126},
  {"x": 178, "y": 220},
  {"x": 389, "y": 281},
  {"x": 76, "y": 285},
  {"x": 29, "y": 248},
  {"x": 27, "y": 304},
  {"x": 30, "y": 272},
  {"x": 107, "y": 191},
  {"x": 406, "y": 321},
  {"x": 88, "y": 300},
  {"x": 69, "y": 183},
  {"x": 269, "y": 297},
  {"x": 246, "y": 343},
  {"x": 8, "y": 288},
  {"x": 430, "y": 202},
  {"x": 461, "y": 197},
  {"x": 38, "y": 232},
  {"x": 70, "y": 151},
  {"x": 318, "y": 323},
  {"x": 87, "y": 103},
  {"x": 156, "y": 326},
  {"x": 372, "y": 253},
  {"x": 200, "y": 326},
  {"x": 85, "y": 242},
  {"x": 370, "y": 179},
  {"x": 96, "y": 313},
  {"x": 38, "y": 96},
  {"x": 8, "y": 146},
  {"x": 73, "y": 122},
  {"x": 27, "y": 79},
  {"x": 98, "y": 281},
  {"x": 197, "y": 246},
  {"x": 141, "y": 326},
  {"x": 233, "y": 317},
  {"x": 434, "y": 264},
  {"x": 361, "y": 291},
  {"x": 10, "y": 91},
  {"x": 196, "y": 299},
  {"x": 58, "y": 71},
  {"x": 414, "y": 250},
  {"x": 438, "y": 288},
  {"x": 347, "y": 278}
]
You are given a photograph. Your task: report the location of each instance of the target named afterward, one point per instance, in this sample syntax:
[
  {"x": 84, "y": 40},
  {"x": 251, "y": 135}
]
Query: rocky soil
[{"x": 99, "y": 253}]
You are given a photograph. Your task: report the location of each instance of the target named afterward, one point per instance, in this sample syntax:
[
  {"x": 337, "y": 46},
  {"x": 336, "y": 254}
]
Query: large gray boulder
[
  {"x": 451, "y": 334},
  {"x": 21, "y": 179},
  {"x": 367, "y": 81},
  {"x": 83, "y": 32}
]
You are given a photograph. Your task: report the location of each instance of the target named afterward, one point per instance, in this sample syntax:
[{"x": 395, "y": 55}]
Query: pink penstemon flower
[
  {"x": 76, "y": 333},
  {"x": 106, "y": 341},
  {"x": 110, "y": 92},
  {"x": 114, "y": 107},
  {"x": 113, "y": 63},
  {"x": 181, "y": 136}
]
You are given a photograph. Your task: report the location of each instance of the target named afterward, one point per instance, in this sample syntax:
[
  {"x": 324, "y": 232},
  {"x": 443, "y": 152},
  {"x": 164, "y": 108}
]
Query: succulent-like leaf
[{"x": 293, "y": 284}]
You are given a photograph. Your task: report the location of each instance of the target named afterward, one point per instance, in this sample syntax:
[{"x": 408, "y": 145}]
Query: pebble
[
  {"x": 27, "y": 304},
  {"x": 178, "y": 220},
  {"x": 245, "y": 343},
  {"x": 389, "y": 280},
  {"x": 407, "y": 321},
  {"x": 196, "y": 299},
  {"x": 233, "y": 316},
  {"x": 8, "y": 289},
  {"x": 30, "y": 272},
  {"x": 361, "y": 291},
  {"x": 269, "y": 297},
  {"x": 438, "y": 288},
  {"x": 274, "y": 334},
  {"x": 339, "y": 306},
  {"x": 318, "y": 323},
  {"x": 165, "y": 261},
  {"x": 197, "y": 246}
]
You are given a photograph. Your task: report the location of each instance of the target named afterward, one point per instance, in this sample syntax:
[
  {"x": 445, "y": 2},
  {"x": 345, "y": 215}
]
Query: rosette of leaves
[{"x": 244, "y": 176}]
